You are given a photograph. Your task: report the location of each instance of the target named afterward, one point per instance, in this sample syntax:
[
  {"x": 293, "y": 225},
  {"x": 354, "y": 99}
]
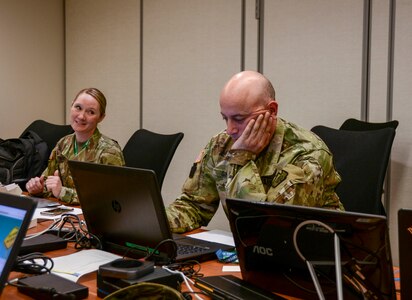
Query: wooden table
[{"x": 208, "y": 268}]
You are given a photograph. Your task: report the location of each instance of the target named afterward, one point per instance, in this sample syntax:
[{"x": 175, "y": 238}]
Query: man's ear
[{"x": 273, "y": 107}]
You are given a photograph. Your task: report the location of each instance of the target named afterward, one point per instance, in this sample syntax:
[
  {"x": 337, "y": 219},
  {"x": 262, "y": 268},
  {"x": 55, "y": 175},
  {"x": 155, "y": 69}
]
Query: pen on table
[{"x": 66, "y": 272}]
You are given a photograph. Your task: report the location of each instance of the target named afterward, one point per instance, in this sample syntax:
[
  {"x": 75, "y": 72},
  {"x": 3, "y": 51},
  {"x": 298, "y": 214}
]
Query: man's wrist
[
  {"x": 240, "y": 157},
  {"x": 62, "y": 193}
]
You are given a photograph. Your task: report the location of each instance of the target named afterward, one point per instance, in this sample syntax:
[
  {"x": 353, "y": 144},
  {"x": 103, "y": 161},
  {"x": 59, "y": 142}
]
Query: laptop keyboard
[{"x": 185, "y": 249}]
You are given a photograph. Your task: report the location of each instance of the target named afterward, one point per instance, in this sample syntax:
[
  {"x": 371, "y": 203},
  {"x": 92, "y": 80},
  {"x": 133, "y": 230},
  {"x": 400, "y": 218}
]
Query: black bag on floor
[{"x": 22, "y": 158}]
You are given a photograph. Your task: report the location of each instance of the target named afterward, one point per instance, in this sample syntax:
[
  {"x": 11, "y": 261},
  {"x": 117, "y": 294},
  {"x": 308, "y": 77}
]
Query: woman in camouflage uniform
[{"x": 85, "y": 144}]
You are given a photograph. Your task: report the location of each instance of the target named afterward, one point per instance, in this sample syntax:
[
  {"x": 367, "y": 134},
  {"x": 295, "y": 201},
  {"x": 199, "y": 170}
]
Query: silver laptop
[
  {"x": 124, "y": 208},
  {"x": 15, "y": 216}
]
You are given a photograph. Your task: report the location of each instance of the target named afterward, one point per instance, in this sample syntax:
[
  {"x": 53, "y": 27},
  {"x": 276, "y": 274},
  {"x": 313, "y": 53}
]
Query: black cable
[
  {"x": 159, "y": 260},
  {"x": 190, "y": 268},
  {"x": 187, "y": 295},
  {"x": 29, "y": 264},
  {"x": 88, "y": 241},
  {"x": 81, "y": 236},
  {"x": 72, "y": 233}
]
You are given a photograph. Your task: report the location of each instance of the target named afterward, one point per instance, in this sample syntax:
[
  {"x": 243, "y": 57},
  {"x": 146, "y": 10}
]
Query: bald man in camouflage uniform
[{"x": 258, "y": 157}]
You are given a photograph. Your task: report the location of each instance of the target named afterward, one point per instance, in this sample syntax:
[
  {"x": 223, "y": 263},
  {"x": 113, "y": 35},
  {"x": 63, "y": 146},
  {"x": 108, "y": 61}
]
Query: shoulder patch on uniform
[
  {"x": 279, "y": 177},
  {"x": 193, "y": 170}
]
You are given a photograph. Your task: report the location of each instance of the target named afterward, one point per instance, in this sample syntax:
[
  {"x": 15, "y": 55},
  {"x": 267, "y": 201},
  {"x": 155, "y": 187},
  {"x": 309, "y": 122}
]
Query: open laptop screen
[
  {"x": 269, "y": 236},
  {"x": 124, "y": 208},
  {"x": 15, "y": 216}
]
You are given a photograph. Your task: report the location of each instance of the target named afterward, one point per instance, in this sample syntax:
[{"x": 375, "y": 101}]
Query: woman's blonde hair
[{"x": 96, "y": 94}]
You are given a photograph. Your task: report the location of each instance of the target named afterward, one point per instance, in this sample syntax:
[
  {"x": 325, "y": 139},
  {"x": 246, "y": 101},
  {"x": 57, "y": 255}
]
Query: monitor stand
[{"x": 310, "y": 264}]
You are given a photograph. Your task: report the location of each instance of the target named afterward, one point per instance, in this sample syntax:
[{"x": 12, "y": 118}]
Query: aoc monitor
[{"x": 295, "y": 250}]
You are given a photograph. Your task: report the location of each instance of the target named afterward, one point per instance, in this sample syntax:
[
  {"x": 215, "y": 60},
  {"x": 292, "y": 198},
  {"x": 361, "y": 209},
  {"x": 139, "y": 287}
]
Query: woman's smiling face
[{"x": 85, "y": 115}]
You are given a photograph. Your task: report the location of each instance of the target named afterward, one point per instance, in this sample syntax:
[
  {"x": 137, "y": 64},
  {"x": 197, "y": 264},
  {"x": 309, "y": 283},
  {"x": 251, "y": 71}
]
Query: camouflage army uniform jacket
[
  {"x": 99, "y": 149},
  {"x": 296, "y": 168}
]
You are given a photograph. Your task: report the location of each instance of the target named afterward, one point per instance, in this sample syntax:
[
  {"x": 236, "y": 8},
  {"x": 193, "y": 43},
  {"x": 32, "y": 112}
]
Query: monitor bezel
[
  {"x": 28, "y": 206},
  {"x": 275, "y": 279}
]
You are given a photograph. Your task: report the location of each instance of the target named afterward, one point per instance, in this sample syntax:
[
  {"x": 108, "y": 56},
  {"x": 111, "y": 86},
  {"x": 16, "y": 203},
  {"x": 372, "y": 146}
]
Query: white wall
[
  {"x": 31, "y": 64},
  {"x": 102, "y": 50},
  {"x": 312, "y": 53},
  {"x": 189, "y": 51}
]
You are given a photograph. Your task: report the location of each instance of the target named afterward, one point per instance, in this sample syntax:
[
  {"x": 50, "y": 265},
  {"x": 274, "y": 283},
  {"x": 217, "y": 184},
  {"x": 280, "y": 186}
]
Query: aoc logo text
[{"x": 263, "y": 250}]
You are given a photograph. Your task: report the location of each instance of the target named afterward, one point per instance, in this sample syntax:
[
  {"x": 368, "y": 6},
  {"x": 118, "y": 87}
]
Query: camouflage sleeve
[
  {"x": 69, "y": 195},
  {"x": 113, "y": 156},
  {"x": 51, "y": 166},
  {"x": 199, "y": 199},
  {"x": 238, "y": 176},
  {"x": 310, "y": 181},
  {"x": 110, "y": 154}
]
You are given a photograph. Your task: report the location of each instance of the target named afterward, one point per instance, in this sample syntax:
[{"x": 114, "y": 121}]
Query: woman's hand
[
  {"x": 35, "y": 185},
  {"x": 54, "y": 184}
]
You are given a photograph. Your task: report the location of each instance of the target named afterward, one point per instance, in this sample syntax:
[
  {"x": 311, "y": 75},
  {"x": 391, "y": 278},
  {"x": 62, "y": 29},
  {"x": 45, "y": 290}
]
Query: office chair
[
  {"x": 50, "y": 133},
  {"x": 357, "y": 125},
  {"x": 361, "y": 158},
  {"x": 149, "y": 150}
]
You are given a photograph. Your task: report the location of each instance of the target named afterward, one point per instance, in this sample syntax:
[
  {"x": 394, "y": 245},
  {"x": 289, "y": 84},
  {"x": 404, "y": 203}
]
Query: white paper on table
[
  {"x": 215, "y": 235},
  {"x": 234, "y": 268},
  {"x": 75, "y": 265}
]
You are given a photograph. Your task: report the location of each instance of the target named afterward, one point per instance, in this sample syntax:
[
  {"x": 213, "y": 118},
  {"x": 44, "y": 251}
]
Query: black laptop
[
  {"x": 405, "y": 250},
  {"x": 15, "y": 216},
  {"x": 124, "y": 208},
  {"x": 292, "y": 250}
]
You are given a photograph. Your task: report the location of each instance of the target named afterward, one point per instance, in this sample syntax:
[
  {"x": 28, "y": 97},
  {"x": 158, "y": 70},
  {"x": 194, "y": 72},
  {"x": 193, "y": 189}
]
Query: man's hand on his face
[{"x": 257, "y": 133}]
